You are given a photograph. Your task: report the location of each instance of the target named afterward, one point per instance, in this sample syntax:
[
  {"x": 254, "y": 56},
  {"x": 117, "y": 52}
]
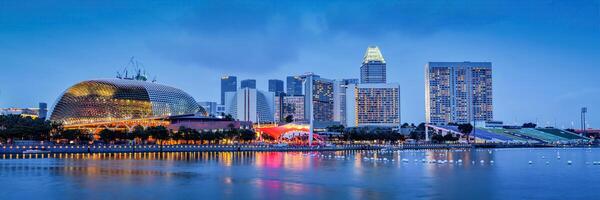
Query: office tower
[
  {"x": 373, "y": 105},
  {"x": 248, "y": 83},
  {"x": 320, "y": 98},
  {"x": 276, "y": 86},
  {"x": 43, "y": 110},
  {"x": 228, "y": 84},
  {"x": 249, "y": 104},
  {"x": 294, "y": 86},
  {"x": 458, "y": 92},
  {"x": 290, "y": 106},
  {"x": 373, "y": 69}
]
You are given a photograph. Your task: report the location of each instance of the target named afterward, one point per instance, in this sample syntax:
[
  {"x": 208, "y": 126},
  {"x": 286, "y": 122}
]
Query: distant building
[
  {"x": 319, "y": 98},
  {"x": 228, "y": 84},
  {"x": 43, "y": 110},
  {"x": 276, "y": 86},
  {"x": 458, "y": 92},
  {"x": 25, "y": 112},
  {"x": 291, "y": 106},
  {"x": 248, "y": 83},
  {"x": 373, "y": 105},
  {"x": 343, "y": 84},
  {"x": 250, "y": 105},
  {"x": 294, "y": 86},
  {"x": 210, "y": 107},
  {"x": 373, "y": 69}
]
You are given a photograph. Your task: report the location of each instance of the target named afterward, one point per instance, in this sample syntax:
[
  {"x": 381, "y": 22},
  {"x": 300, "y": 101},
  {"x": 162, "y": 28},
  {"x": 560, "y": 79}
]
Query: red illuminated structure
[{"x": 287, "y": 131}]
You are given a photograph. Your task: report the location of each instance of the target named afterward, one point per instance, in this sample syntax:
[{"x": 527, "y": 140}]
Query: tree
[
  {"x": 160, "y": 133},
  {"x": 70, "y": 134},
  {"x": 437, "y": 138},
  {"x": 466, "y": 129},
  {"x": 289, "y": 119},
  {"x": 405, "y": 125},
  {"x": 529, "y": 125},
  {"x": 107, "y": 135},
  {"x": 247, "y": 135},
  {"x": 450, "y": 137},
  {"x": 267, "y": 137},
  {"x": 228, "y": 117}
]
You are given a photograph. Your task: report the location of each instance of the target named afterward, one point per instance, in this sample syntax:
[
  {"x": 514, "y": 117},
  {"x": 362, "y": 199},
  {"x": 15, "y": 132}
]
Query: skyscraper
[
  {"x": 294, "y": 86},
  {"x": 276, "y": 86},
  {"x": 458, "y": 92},
  {"x": 290, "y": 106},
  {"x": 228, "y": 84},
  {"x": 373, "y": 69},
  {"x": 320, "y": 98},
  {"x": 373, "y": 105},
  {"x": 248, "y": 83}
]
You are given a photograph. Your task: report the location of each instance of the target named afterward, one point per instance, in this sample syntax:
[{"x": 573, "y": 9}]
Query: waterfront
[{"x": 301, "y": 175}]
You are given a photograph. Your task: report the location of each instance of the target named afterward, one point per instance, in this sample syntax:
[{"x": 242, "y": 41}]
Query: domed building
[{"x": 105, "y": 101}]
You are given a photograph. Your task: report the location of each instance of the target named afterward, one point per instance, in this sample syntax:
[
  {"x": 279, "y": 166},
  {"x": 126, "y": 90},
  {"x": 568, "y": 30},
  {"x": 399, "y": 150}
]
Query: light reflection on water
[{"x": 301, "y": 175}]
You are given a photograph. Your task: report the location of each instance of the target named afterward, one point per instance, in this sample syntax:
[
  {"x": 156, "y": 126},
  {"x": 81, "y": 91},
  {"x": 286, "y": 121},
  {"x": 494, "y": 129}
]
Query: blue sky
[{"x": 545, "y": 53}]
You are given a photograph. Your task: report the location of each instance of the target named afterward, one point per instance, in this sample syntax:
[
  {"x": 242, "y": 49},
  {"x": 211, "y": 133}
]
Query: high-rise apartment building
[
  {"x": 228, "y": 84},
  {"x": 373, "y": 69},
  {"x": 248, "y": 83},
  {"x": 276, "y": 86},
  {"x": 458, "y": 92},
  {"x": 373, "y": 105},
  {"x": 294, "y": 86}
]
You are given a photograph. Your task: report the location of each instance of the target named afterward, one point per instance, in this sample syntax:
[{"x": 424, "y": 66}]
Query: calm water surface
[{"x": 268, "y": 175}]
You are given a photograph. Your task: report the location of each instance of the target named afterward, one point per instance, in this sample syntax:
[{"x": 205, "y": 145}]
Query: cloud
[{"x": 262, "y": 36}]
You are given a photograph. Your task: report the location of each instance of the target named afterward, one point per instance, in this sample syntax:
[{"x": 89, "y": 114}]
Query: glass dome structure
[{"x": 109, "y": 100}]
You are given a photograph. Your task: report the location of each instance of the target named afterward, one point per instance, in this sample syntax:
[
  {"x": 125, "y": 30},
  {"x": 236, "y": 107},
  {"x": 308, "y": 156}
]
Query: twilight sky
[{"x": 545, "y": 53}]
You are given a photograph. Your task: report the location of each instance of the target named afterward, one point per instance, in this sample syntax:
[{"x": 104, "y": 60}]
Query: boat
[{"x": 35, "y": 151}]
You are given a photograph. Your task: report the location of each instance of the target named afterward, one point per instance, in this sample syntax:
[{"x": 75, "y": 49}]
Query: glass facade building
[
  {"x": 290, "y": 106},
  {"x": 294, "y": 86},
  {"x": 248, "y": 83},
  {"x": 228, "y": 84},
  {"x": 458, "y": 92},
  {"x": 320, "y": 98},
  {"x": 276, "y": 86},
  {"x": 109, "y": 100},
  {"x": 373, "y": 69}
]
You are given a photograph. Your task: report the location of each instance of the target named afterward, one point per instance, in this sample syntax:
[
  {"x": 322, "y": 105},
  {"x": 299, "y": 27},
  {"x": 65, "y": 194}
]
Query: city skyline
[{"x": 541, "y": 56}]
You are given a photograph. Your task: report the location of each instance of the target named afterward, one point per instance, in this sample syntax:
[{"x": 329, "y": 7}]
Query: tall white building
[
  {"x": 249, "y": 104},
  {"x": 458, "y": 92},
  {"x": 372, "y": 105}
]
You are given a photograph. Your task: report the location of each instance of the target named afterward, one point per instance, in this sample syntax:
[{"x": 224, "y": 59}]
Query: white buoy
[
  {"x": 530, "y": 162},
  {"x": 569, "y": 162},
  {"x": 459, "y": 160},
  {"x": 491, "y": 161}
]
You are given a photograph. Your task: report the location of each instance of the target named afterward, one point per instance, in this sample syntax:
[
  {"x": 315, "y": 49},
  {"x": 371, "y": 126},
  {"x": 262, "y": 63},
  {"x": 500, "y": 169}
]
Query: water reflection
[{"x": 258, "y": 175}]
